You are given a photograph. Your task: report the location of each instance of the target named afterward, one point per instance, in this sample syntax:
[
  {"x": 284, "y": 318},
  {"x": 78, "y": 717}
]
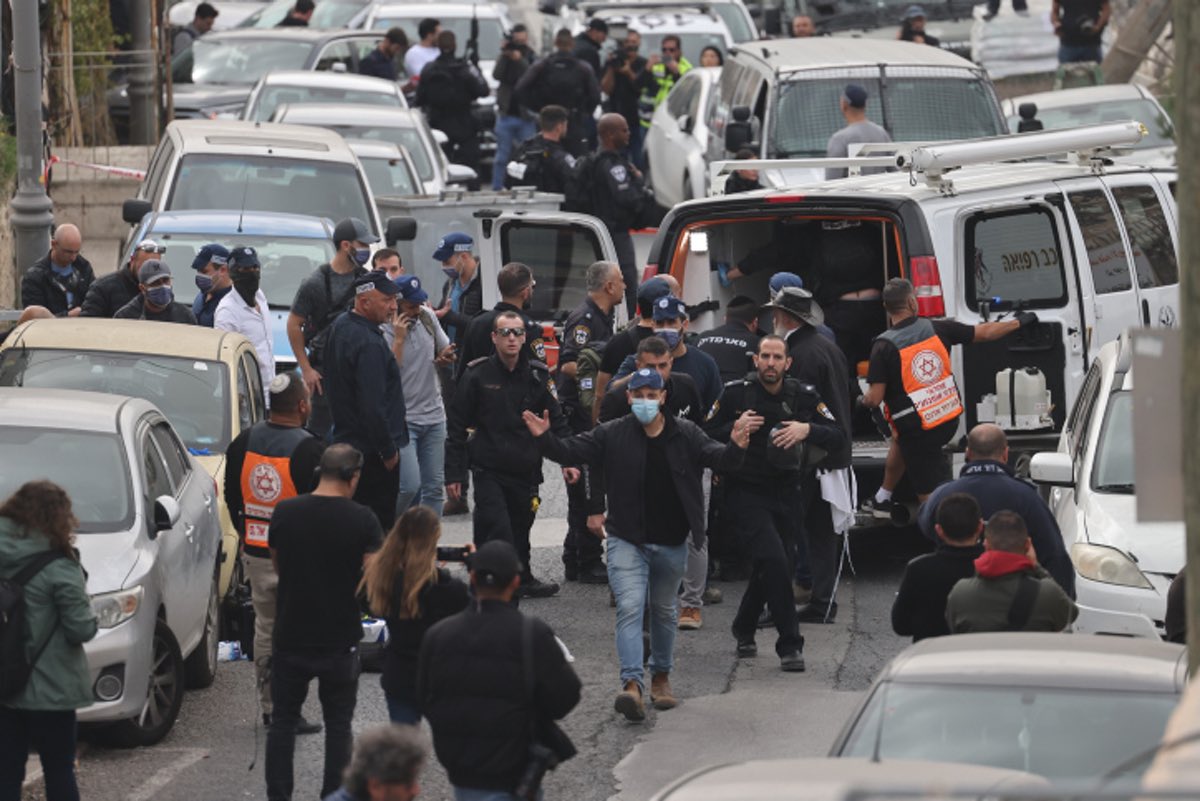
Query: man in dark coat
[
  {"x": 60, "y": 280},
  {"x": 109, "y": 293},
  {"x": 448, "y": 89}
]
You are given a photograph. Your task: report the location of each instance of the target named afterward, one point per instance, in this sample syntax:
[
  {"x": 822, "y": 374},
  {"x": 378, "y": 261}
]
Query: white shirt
[
  {"x": 234, "y": 314},
  {"x": 417, "y": 57}
]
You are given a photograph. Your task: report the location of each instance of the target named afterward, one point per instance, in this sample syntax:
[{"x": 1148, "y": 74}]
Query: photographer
[
  {"x": 492, "y": 683},
  {"x": 620, "y": 82},
  {"x": 404, "y": 585},
  {"x": 513, "y": 124}
]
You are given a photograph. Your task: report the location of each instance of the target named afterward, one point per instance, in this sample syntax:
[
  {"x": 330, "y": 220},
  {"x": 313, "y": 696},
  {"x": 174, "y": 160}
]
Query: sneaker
[
  {"x": 302, "y": 727},
  {"x": 661, "y": 695},
  {"x": 765, "y": 620},
  {"x": 593, "y": 574},
  {"x": 689, "y": 618},
  {"x": 712, "y": 596},
  {"x": 880, "y": 510},
  {"x": 816, "y": 613},
  {"x": 792, "y": 663},
  {"x": 629, "y": 702},
  {"x": 801, "y": 594},
  {"x": 532, "y": 587},
  {"x": 570, "y": 572},
  {"x": 458, "y": 507},
  {"x": 746, "y": 648}
]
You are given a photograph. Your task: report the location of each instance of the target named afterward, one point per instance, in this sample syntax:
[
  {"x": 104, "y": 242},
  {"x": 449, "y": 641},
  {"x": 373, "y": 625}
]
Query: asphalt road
[{"x": 732, "y": 709}]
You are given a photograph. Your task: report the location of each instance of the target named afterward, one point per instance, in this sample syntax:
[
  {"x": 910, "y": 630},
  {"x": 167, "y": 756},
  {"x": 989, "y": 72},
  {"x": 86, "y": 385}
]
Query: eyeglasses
[
  {"x": 510, "y": 332},
  {"x": 670, "y": 49}
]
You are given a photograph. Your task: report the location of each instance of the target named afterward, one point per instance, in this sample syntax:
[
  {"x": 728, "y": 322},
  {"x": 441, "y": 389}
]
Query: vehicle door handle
[
  {"x": 189, "y": 530},
  {"x": 208, "y": 498},
  {"x": 1145, "y": 312}
]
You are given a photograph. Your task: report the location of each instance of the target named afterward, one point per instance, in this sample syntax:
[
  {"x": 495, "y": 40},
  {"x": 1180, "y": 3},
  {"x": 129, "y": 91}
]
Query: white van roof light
[{"x": 854, "y": 164}]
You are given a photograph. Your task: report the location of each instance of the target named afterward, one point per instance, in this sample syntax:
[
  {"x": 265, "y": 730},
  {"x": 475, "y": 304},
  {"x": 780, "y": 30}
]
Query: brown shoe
[
  {"x": 660, "y": 692},
  {"x": 689, "y": 618},
  {"x": 629, "y": 702}
]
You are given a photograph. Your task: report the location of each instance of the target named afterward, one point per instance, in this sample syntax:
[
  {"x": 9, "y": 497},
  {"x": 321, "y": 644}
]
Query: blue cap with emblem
[
  {"x": 452, "y": 243},
  {"x": 410, "y": 289},
  {"x": 645, "y": 378},
  {"x": 210, "y": 254},
  {"x": 669, "y": 308},
  {"x": 781, "y": 280}
]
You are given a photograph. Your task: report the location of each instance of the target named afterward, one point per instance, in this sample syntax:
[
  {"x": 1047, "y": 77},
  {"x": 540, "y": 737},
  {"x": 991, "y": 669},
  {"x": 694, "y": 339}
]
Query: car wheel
[
  {"x": 201, "y": 665},
  {"x": 164, "y": 695}
]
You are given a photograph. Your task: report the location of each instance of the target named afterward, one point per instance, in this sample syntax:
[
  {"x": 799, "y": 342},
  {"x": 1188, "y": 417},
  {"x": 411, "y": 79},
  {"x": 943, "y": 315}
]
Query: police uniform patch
[
  {"x": 553, "y": 389},
  {"x": 824, "y": 410},
  {"x": 619, "y": 173},
  {"x": 580, "y": 334},
  {"x": 539, "y": 349}
]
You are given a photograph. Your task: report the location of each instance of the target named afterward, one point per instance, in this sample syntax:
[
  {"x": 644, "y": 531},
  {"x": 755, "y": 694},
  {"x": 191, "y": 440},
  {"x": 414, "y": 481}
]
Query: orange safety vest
[
  {"x": 266, "y": 477},
  {"x": 926, "y": 375}
]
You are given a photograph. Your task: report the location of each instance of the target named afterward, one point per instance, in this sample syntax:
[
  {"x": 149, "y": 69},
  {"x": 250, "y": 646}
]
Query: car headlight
[
  {"x": 1108, "y": 565},
  {"x": 114, "y": 608}
]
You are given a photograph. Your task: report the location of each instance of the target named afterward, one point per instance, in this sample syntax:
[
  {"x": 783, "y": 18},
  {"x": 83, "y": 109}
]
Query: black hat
[
  {"x": 353, "y": 229},
  {"x": 799, "y": 303},
  {"x": 597, "y": 24},
  {"x": 376, "y": 279},
  {"x": 495, "y": 564},
  {"x": 244, "y": 258}
]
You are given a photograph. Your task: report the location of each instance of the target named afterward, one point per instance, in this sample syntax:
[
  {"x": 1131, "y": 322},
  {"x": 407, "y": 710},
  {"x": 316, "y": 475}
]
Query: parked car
[
  {"x": 390, "y": 169},
  {"x": 290, "y": 247},
  {"x": 1123, "y": 567},
  {"x": 148, "y": 537},
  {"x": 1062, "y": 706},
  {"x": 1090, "y": 248},
  {"x": 302, "y": 86},
  {"x": 213, "y": 77},
  {"x": 677, "y": 141},
  {"x": 328, "y": 14},
  {"x": 734, "y": 13},
  {"x": 205, "y": 382},
  {"x": 696, "y": 29},
  {"x": 230, "y": 13},
  {"x": 405, "y": 127},
  {"x": 1114, "y": 102},
  {"x": 248, "y": 166}
]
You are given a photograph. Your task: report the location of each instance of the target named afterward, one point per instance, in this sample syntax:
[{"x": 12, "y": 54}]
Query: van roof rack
[{"x": 1087, "y": 145}]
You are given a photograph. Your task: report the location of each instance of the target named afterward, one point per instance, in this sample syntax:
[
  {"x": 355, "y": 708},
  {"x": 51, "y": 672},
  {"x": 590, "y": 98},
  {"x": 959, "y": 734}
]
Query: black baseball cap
[
  {"x": 495, "y": 564},
  {"x": 353, "y": 229},
  {"x": 376, "y": 279}
]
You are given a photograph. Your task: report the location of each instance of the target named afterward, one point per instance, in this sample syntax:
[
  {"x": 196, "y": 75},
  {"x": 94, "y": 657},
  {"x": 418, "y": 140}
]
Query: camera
[
  {"x": 541, "y": 759},
  {"x": 452, "y": 553}
]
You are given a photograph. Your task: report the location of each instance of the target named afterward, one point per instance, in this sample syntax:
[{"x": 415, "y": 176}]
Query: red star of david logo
[
  {"x": 927, "y": 367},
  {"x": 265, "y": 482}
]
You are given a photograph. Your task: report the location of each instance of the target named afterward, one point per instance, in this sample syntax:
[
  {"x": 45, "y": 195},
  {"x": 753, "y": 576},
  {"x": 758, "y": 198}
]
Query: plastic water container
[
  {"x": 229, "y": 651},
  {"x": 1022, "y": 400}
]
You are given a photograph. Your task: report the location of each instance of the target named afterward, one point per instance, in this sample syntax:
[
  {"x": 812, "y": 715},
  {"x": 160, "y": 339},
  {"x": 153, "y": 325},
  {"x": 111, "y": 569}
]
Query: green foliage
[{"x": 8, "y": 162}]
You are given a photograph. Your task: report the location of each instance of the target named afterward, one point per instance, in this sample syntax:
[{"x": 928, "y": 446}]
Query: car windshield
[
  {"x": 410, "y": 138},
  {"x": 1114, "y": 450},
  {"x": 691, "y": 43},
  {"x": 90, "y": 466},
  {"x": 389, "y": 176},
  {"x": 192, "y": 393},
  {"x": 272, "y": 97},
  {"x": 917, "y": 110},
  {"x": 270, "y": 183},
  {"x": 491, "y": 32},
  {"x": 327, "y": 15},
  {"x": 1160, "y": 132},
  {"x": 237, "y": 61},
  {"x": 1058, "y": 733},
  {"x": 286, "y": 260},
  {"x": 740, "y": 29}
]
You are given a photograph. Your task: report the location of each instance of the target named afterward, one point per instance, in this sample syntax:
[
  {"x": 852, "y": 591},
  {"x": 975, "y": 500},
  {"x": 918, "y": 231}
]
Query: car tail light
[
  {"x": 928, "y": 283},
  {"x": 650, "y": 271},
  {"x": 784, "y": 198}
]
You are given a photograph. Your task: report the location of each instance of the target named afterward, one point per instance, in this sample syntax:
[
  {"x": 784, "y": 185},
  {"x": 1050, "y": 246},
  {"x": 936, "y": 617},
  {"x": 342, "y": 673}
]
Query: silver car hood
[{"x": 110, "y": 559}]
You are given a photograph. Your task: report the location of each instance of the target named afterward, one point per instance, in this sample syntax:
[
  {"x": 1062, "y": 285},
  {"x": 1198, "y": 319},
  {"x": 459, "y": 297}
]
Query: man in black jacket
[
  {"x": 60, "y": 280},
  {"x": 620, "y": 82},
  {"x": 109, "y": 293},
  {"x": 543, "y": 162},
  {"x": 155, "y": 300},
  {"x": 589, "y": 42},
  {"x": 492, "y": 682},
  {"x": 513, "y": 122},
  {"x": 988, "y": 479},
  {"x": 682, "y": 398},
  {"x": 652, "y": 466},
  {"x": 366, "y": 397},
  {"x": 381, "y": 62},
  {"x": 505, "y": 466},
  {"x": 563, "y": 79},
  {"x": 919, "y": 610},
  {"x": 515, "y": 282},
  {"x": 767, "y": 495},
  {"x": 734, "y": 344},
  {"x": 448, "y": 89}
]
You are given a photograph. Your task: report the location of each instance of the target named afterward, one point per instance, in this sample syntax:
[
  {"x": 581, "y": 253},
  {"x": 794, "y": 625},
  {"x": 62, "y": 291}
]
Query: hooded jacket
[
  {"x": 58, "y": 612},
  {"x": 982, "y": 603}
]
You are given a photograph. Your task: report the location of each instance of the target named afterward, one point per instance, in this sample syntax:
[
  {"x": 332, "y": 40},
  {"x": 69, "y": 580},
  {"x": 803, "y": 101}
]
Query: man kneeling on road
[{"x": 652, "y": 467}]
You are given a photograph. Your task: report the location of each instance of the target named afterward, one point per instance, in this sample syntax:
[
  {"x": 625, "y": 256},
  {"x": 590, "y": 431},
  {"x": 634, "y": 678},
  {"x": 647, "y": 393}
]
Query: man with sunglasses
[
  {"x": 505, "y": 464},
  {"x": 661, "y": 73}
]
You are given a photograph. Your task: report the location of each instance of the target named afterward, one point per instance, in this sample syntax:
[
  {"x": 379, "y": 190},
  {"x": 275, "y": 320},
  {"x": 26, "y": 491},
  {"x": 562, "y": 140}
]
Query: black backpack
[
  {"x": 561, "y": 83},
  {"x": 15, "y": 666}
]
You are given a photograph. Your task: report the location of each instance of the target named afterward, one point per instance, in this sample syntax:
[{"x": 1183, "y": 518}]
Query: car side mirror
[
  {"x": 737, "y": 136},
  {"x": 166, "y": 513},
  {"x": 400, "y": 229},
  {"x": 685, "y": 123},
  {"x": 134, "y": 209},
  {"x": 460, "y": 174},
  {"x": 1053, "y": 469}
]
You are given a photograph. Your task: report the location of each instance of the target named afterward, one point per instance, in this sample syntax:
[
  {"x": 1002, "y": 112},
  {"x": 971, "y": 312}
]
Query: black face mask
[{"x": 246, "y": 285}]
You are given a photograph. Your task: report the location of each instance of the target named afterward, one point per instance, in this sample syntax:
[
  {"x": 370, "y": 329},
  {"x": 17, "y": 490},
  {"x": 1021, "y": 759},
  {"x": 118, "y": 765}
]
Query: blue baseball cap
[
  {"x": 376, "y": 279},
  {"x": 410, "y": 289},
  {"x": 914, "y": 12},
  {"x": 456, "y": 242},
  {"x": 855, "y": 95},
  {"x": 669, "y": 307},
  {"x": 651, "y": 291},
  {"x": 210, "y": 254},
  {"x": 781, "y": 280},
  {"x": 646, "y": 378}
]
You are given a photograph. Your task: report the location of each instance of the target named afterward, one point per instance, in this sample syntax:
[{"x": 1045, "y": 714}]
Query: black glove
[{"x": 1026, "y": 318}]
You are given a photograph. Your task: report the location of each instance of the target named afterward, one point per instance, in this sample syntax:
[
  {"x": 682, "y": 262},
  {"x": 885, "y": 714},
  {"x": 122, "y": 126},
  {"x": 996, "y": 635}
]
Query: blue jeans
[
  {"x": 422, "y": 467},
  {"x": 471, "y": 794},
  {"x": 401, "y": 711},
  {"x": 637, "y": 573},
  {"x": 1070, "y": 54},
  {"x": 510, "y": 131}
]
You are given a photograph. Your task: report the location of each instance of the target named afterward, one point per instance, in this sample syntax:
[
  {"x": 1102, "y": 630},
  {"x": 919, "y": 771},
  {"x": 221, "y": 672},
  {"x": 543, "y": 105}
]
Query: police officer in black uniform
[
  {"x": 765, "y": 495},
  {"x": 515, "y": 282},
  {"x": 448, "y": 89},
  {"x": 588, "y": 327},
  {"x": 619, "y": 194},
  {"x": 504, "y": 460},
  {"x": 733, "y": 344},
  {"x": 683, "y": 397},
  {"x": 543, "y": 161}
]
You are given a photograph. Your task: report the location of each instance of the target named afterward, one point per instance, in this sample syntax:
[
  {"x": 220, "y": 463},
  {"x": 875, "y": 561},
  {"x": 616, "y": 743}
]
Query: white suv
[{"x": 1123, "y": 567}]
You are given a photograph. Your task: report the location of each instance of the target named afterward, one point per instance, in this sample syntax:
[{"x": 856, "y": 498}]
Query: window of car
[
  {"x": 1149, "y": 237},
  {"x": 257, "y": 402},
  {"x": 1015, "y": 258},
  {"x": 245, "y": 402},
  {"x": 410, "y": 138},
  {"x": 213, "y": 59},
  {"x": 1160, "y": 132},
  {"x": 1081, "y": 415},
  {"x": 691, "y": 44},
  {"x": 740, "y": 29},
  {"x": 1059, "y": 733},
  {"x": 328, "y": 14},
  {"x": 1113, "y": 464},
  {"x": 390, "y": 177},
  {"x": 90, "y": 466},
  {"x": 491, "y": 32},
  {"x": 156, "y": 480},
  {"x": 273, "y": 96},
  {"x": 172, "y": 453},
  {"x": 559, "y": 256},
  {"x": 1102, "y": 239},
  {"x": 192, "y": 393},
  {"x": 335, "y": 53},
  {"x": 158, "y": 168},
  {"x": 682, "y": 97}
]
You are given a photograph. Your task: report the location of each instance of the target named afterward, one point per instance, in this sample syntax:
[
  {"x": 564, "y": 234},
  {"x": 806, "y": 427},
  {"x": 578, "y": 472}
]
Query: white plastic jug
[{"x": 1022, "y": 400}]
